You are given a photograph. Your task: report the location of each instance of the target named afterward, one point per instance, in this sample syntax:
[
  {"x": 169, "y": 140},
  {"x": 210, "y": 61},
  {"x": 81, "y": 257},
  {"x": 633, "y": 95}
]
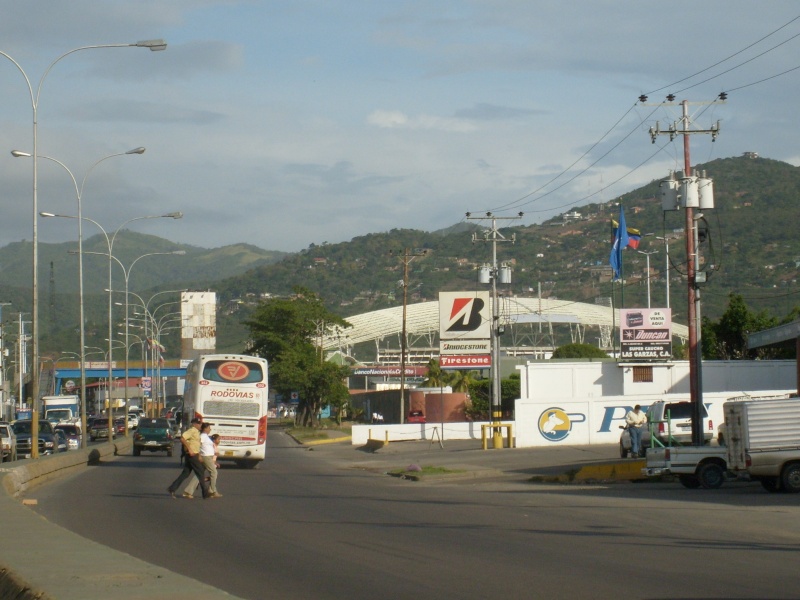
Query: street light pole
[
  {"x": 666, "y": 272},
  {"x": 79, "y": 196},
  {"x": 126, "y": 273},
  {"x": 110, "y": 243},
  {"x": 647, "y": 254},
  {"x": 153, "y": 45}
]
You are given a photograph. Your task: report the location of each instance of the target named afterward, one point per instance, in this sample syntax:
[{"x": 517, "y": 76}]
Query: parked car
[
  {"x": 671, "y": 423},
  {"x": 99, "y": 429},
  {"x": 416, "y": 416},
  {"x": 9, "y": 442},
  {"x": 153, "y": 435},
  {"x": 73, "y": 433},
  {"x": 133, "y": 420},
  {"x": 119, "y": 425},
  {"x": 47, "y": 442}
]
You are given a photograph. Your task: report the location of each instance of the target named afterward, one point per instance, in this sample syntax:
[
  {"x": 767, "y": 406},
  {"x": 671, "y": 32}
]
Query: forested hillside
[{"x": 750, "y": 248}]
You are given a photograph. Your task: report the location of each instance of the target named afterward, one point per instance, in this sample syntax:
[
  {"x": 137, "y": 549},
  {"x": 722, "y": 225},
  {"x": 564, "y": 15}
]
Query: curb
[{"x": 333, "y": 440}]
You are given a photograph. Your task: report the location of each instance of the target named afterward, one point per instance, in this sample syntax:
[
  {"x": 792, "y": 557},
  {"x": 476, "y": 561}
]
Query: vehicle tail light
[
  {"x": 748, "y": 461},
  {"x": 262, "y": 430},
  {"x": 667, "y": 454},
  {"x": 661, "y": 428},
  {"x": 710, "y": 425}
]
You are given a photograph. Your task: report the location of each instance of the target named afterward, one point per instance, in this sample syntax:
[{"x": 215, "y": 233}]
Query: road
[{"x": 307, "y": 526}]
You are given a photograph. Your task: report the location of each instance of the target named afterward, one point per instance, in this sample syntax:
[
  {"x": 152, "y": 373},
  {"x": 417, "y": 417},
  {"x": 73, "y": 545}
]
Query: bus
[{"x": 230, "y": 391}]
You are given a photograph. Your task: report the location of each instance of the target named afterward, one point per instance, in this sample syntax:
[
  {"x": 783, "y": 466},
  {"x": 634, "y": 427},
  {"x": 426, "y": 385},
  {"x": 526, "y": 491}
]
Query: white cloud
[
  {"x": 393, "y": 119},
  {"x": 283, "y": 124}
]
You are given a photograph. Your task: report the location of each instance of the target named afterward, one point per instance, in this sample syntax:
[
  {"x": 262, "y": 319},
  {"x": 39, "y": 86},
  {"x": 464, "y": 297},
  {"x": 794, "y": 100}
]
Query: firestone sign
[
  {"x": 646, "y": 334},
  {"x": 472, "y": 361}
]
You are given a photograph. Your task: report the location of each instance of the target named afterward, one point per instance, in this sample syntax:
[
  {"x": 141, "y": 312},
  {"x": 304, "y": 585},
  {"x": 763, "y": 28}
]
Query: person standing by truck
[{"x": 636, "y": 421}]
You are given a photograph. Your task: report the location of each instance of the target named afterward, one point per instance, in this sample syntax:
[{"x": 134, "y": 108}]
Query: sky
[{"x": 285, "y": 124}]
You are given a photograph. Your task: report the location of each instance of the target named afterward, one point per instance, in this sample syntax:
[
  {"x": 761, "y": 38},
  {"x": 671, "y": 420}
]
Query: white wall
[
  {"x": 580, "y": 421},
  {"x": 589, "y": 400},
  {"x": 585, "y": 402}
]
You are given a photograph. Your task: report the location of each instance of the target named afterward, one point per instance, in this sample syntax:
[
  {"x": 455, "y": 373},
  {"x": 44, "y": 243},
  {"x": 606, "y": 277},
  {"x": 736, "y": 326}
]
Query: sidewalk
[{"x": 467, "y": 458}]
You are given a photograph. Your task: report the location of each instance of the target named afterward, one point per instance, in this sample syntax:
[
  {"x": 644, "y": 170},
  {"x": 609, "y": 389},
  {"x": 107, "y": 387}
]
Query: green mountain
[{"x": 750, "y": 248}]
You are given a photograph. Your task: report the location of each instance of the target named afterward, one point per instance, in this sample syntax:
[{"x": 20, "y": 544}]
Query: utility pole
[
  {"x": 494, "y": 236},
  {"x": 689, "y": 199},
  {"x": 407, "y": 257}
]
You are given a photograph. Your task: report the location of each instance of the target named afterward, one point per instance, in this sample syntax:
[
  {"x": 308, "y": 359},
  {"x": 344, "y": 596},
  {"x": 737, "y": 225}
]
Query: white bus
[{"x": 230, "y": 391}]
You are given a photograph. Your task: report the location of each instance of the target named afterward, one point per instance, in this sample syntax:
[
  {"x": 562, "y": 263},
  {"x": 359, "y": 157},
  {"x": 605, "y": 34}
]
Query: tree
[
  {"x": 726, "y": 339},
  {"x": 288, "y": 333},
  {"x": 435, "y": 377},
  {"x": 579, "y": 351}
]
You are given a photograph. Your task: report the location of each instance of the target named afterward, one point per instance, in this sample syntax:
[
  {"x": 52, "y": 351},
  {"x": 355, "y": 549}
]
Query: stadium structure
[{"x": 532, "y": 328}]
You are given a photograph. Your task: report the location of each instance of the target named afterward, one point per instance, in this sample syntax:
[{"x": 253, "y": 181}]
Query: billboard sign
[
  {"x": 470, "y": 361},
  {"x": 464, "y": 315},
  {"x": 645, "y": 333}
]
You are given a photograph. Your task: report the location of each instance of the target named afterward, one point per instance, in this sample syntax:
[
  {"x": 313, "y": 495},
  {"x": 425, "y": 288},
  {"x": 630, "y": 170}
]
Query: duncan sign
[{"x": 645, "y": 334}]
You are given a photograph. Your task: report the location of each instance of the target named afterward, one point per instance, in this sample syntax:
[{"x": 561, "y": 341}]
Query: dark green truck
[{"x": 154, "y": 435}]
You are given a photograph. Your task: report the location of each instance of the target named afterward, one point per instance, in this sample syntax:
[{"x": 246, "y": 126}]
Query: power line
[{"x": 731, "y": 56}]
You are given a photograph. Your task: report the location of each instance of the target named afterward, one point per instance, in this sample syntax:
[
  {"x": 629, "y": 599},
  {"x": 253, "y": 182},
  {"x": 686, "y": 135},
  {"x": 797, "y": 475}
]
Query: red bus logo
[{"x": 233, "y": 371}]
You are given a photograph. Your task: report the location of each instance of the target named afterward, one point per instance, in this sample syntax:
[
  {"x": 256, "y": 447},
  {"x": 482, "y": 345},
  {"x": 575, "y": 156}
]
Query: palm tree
[
  {"x": 436, "y": 378},
  {"x": 461, "y": 380}
]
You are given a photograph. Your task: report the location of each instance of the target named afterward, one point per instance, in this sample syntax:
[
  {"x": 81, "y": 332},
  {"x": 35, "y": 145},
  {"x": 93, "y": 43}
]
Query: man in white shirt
[{"x": 636, "y": 421}]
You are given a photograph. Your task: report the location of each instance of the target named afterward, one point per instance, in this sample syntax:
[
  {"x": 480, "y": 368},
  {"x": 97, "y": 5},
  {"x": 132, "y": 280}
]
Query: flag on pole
[
  {"x": 634, "y": 235},
  {"x": 621, "y": 240}
]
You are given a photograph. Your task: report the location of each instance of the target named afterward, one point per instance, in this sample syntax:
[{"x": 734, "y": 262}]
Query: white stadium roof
[{"x": 422, "y": 319}]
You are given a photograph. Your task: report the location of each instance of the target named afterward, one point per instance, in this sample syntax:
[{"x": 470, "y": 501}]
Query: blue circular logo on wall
[{"x": 554, "y": 424}]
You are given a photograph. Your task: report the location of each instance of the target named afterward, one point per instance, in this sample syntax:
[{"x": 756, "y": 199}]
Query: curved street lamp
[
  {"x": 153, "y": 45},
  {"x": 79, "y": 196},
  {"x": 110, "y": 243},
  {"x": 127, "y": 273}
]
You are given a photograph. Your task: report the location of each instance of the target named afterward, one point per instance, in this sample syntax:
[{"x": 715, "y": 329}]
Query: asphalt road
[{"x": 310, "y": 525}]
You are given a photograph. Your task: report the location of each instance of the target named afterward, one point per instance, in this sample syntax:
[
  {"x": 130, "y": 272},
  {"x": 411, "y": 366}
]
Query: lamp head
[
  {"x": 174, "y": 215},
  {"x": 139, "y": 150},
  {"x": 18, "y": 153},
  {"x": 154, "y": 45}
]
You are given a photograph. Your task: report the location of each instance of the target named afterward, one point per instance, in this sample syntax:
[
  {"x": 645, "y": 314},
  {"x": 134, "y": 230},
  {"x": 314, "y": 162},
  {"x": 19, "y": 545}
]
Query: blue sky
[{"x": 282, "y": 124}]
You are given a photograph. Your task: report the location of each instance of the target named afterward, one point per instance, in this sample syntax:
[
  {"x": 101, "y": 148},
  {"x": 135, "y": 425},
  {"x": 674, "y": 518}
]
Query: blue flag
[{"x": 621, "y": 240}]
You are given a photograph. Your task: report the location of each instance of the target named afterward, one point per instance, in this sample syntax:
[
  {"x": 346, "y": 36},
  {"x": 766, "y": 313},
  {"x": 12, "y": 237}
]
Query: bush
[{"x": 579, "y": 351}]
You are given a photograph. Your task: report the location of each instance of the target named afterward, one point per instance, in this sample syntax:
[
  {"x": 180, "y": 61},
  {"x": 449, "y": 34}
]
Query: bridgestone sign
[{"x": 464, "y": 329}]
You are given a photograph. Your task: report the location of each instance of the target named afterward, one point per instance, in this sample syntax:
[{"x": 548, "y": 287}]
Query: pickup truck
[
  {"x": 695, "y": 466},
  {"x": 48, "y": 441}
]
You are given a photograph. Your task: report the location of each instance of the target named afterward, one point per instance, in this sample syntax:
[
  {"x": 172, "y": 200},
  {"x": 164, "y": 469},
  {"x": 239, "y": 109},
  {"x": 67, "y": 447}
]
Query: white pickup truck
[{"x": 695, "y": 466}]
